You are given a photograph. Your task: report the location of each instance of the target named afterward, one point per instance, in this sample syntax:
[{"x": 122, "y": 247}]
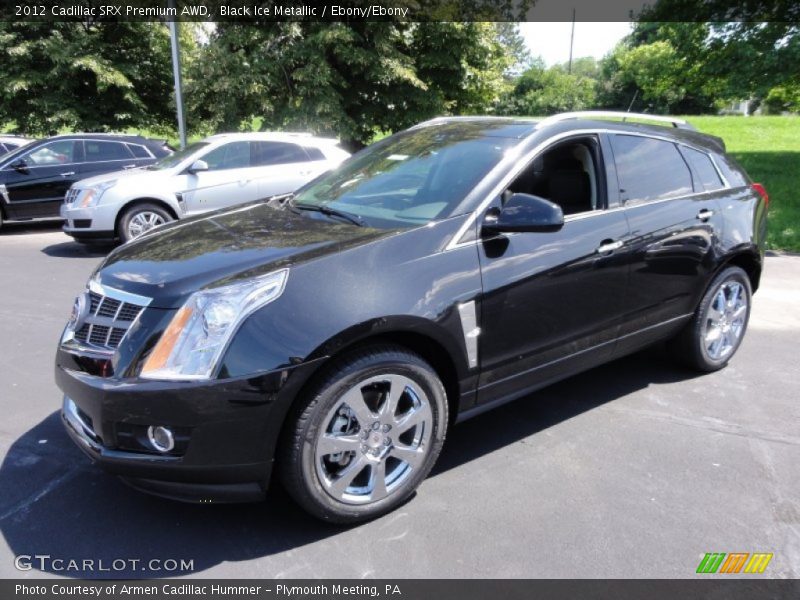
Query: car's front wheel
[
  {"x": 367, "y": 435},
  {"x": 713, "y": 336},
  {"x": 141, "y": 218}
]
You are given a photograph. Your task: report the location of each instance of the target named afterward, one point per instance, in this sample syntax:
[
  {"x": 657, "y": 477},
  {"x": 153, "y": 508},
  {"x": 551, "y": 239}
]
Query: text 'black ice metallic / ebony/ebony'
[{"x": 330, "y": 338}]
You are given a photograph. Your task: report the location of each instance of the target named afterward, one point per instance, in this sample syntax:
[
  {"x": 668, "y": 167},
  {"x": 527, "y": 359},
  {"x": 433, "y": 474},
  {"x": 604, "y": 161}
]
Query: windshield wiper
[{"x": 331, "y": 212}]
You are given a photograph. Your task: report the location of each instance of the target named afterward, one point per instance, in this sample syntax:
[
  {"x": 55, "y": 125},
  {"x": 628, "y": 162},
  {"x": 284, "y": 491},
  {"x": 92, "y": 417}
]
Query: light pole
[{"x": 176, "y": 70}]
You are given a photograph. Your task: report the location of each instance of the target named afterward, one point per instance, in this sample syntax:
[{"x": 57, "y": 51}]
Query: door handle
[
  {"x": 705, "y": 214},
  {"x": 609, "y": 246},
  {"x": 68, "y": 174},
  {"x": 129, "y": 167}
]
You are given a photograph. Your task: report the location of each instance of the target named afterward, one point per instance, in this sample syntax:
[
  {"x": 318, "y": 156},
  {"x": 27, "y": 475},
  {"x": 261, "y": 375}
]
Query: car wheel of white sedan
[{"x": 141, "y": 218}]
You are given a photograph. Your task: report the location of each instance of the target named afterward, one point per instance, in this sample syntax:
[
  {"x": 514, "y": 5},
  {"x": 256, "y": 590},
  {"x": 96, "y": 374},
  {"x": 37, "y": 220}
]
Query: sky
[{"x": 551, "y": 40}]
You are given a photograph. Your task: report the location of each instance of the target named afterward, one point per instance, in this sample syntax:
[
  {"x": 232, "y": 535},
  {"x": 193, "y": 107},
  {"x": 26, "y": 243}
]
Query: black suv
[
  {"x": 35, "y": 178},
  {"x": 335, "y": 334}
]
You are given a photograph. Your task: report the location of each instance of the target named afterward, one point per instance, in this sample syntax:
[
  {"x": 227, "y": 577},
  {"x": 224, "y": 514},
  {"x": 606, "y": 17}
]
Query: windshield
[
  {"x": 410, "y": 178},
  {"x": 176, "y": 158},
  {"x": 11, "y": 156}
]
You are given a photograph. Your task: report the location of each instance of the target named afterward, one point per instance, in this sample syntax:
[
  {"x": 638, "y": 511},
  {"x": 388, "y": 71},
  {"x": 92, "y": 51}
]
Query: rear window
[
  {"x": 277, "y": 153},
  {"x": 702, "y": 165},
  {"x": 99, "y": 151},
  {"x": 138, "y": 151},
  {"x": 314, "y": 153},
  {"x": 649, "y": 169}
]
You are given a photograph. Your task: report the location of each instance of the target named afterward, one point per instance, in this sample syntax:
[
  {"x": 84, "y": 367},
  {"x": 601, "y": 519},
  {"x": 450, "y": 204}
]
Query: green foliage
[
  {"x": 350, "y": 79},
  {"x": 540, "y": 91},
  {"x": 782, "y": 98},
  {"x": 97, "y": 76},
  {"x": 695, "y": 67}
]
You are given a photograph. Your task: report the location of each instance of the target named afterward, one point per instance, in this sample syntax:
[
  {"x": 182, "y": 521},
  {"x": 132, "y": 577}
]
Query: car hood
[
  {"x": 130, "y": 176},
  {"x": 222, "y": 247}
]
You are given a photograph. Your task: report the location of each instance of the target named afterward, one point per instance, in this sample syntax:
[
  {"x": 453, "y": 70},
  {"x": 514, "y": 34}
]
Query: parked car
[
  {"x": 334, "y": 337},
  {"x": 9, "y": 143},
  {"x": 219, "y": 171},
  {"x": 35, "y": 177}
]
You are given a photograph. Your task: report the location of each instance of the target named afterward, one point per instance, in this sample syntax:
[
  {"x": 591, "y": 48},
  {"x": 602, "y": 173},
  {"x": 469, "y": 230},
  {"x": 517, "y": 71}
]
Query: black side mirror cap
[
  {"x": 19, "y": 165},
  {"x": 524, "y": 213}
]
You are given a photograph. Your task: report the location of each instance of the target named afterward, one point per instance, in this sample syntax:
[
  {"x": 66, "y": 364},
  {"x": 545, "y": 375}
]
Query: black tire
[
  {"x": 132, "y": 212},
  {"x": 298, "y": 463},
  {"x": 690, "y": 347}
]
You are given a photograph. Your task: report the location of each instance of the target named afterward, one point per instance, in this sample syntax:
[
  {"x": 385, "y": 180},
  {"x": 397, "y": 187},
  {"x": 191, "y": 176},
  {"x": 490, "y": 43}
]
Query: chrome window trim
[
  {"x": 120, "y": 295},
  {"x": 725, "y": 183},
  {"x": 530, "y": 155}
]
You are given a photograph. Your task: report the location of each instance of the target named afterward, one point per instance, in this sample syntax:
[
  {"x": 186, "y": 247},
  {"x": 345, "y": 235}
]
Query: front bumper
[
  {"x": 229, "y": 430},
  {"x": 94, "y": 223}
]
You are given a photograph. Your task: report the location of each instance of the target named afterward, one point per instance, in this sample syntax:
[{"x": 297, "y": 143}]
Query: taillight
[{"x": 762, "y": 191}]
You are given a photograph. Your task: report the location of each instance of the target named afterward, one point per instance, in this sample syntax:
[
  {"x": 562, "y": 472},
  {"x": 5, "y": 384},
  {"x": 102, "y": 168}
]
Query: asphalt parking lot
[{"x": 634, "y": 469}]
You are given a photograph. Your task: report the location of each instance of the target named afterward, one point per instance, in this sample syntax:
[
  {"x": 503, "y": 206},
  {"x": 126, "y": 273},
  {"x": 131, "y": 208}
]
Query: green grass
[{"x": 769, "y": 150}]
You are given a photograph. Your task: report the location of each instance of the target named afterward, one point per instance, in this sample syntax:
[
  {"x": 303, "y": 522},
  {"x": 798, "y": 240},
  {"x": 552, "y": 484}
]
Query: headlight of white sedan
[{"x": 195, "y": 339}]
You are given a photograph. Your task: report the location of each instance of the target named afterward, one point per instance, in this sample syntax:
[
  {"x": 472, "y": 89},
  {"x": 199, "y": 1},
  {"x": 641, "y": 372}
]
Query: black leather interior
[{"x": 571, "y": 190}]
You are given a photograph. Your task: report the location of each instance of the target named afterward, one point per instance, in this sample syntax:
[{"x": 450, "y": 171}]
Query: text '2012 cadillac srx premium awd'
[{"x": 329, "y": 338}]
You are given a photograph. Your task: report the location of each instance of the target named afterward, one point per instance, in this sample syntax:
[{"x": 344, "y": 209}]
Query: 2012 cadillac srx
[{"x": 331, "y": 337}]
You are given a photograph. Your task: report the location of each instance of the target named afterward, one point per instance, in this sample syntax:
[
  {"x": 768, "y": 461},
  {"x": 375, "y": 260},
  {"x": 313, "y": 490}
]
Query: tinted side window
[
  {"x": 55, "y": 153},
  {"x": 97, "y": 151},
  {"x": 235, "y": 155},
  {"x": 4, "y": 148},
  {"x": 277, "y": 153},
  {"x": 138, "y": 151},
  {"x": 314, "y": 153},
  {"x": 704, "y": 168},
  {"x": 649, "y": 169}
]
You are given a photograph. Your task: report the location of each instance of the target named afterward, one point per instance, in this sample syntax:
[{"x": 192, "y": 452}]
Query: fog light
[{"x": 160, "y": 438}]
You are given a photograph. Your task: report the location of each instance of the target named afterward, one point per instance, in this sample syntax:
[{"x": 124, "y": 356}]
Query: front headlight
[
  {"x": 91, "y": 195},
  {"x": 198, "y": 334}
]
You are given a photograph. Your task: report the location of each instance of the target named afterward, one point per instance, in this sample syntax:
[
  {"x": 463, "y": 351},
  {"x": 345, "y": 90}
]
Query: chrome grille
[
  {"x": 106, "y": 323},
  {"x": 72, "y": 195}
]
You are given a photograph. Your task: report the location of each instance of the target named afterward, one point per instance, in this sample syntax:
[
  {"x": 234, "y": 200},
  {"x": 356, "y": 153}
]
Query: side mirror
[
  {"x": 525, "y": 213},
  {"x": 19, "y": 165},
  {"x": 197, "y": 166}
]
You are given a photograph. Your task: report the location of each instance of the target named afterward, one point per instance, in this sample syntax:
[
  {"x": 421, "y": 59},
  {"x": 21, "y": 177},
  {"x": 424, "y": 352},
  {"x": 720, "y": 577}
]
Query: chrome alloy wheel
[
  {"x": 725, "y": 320},
  {"x": 373, "y": 438},
  {"x": 144, "y": 221}
]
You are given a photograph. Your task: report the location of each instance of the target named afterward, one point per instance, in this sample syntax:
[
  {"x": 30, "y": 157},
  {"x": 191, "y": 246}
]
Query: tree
[
  {"x": 540, "y": 91},
  {"x": 94, "y": 76},
  {"x": 736, "y": 51},
  {"x": 350, "y": 79}
]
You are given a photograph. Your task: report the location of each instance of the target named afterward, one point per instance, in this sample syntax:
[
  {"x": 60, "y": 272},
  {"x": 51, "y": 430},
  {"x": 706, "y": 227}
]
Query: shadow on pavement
[
  {"x": 27, "y": 227},
  {"x": 56, "y": 503},
  {"x": 76, "y": 250}
]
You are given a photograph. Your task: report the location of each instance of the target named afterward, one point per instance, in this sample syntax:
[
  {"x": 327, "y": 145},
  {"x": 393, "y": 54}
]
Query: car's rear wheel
[
  {"x": 141, "y": 218},
  {"x": 367, "y": 435},
  {"x": 715, "y": 333}
]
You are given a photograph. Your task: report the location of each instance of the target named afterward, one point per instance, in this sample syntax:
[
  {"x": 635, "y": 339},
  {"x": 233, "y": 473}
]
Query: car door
[
  {"x": 674, "y": 225},
  {"x": 552, "y": 302},
  {"x": 283, "y": 167},
  {"x": 102, "y": 156},
  {"x": 229, "y": 180},
  {"x": 36, "y": 186}
]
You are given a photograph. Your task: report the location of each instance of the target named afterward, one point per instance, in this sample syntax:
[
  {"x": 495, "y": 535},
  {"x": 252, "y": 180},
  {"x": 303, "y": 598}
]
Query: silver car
[{"x": 219, "y": 171}]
